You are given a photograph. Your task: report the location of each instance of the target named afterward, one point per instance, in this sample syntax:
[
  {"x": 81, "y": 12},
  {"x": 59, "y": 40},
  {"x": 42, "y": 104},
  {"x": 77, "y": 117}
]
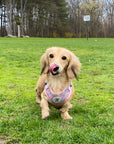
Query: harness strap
[{"x": 60, "y": 99}]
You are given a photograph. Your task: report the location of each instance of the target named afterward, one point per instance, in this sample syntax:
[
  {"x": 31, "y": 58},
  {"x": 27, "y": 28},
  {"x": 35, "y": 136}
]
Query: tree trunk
[
  {"x": 22, "y": 17},
  {"x": 9, "y": 17},
  {"x": 18, "y": 30}
]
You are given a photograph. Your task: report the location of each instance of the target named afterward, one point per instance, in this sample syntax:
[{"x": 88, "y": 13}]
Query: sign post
[
  {"x": 87, "y": 29},
  {"x": 87, "y": 18}
]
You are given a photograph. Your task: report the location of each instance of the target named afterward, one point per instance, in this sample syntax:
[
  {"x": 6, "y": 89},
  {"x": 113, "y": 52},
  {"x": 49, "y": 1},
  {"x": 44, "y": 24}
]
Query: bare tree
[
  {"x": 109, "y": 17},
  {"x": 52, "y": 18}
]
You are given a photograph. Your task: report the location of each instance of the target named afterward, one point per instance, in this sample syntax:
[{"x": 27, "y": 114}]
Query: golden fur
[{"x": 68, "y": 70}]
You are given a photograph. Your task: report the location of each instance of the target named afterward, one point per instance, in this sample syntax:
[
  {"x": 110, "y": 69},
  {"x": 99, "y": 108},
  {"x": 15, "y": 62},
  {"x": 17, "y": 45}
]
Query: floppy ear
[
  {"x": 44, "y": 64},
  {"x": 73, "y": 67}
]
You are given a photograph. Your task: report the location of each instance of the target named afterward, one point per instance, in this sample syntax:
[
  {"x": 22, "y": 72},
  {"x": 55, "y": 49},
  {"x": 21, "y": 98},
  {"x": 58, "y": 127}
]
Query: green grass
[{"x": 92, "y": 112}]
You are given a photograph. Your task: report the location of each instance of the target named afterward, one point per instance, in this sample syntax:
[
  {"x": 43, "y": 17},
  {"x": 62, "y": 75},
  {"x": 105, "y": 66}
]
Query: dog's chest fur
[{"x": 57, "y": 83}]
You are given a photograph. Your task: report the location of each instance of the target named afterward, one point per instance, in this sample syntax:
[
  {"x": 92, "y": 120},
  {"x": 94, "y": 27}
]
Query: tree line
[{"x": 56, "y": 18}]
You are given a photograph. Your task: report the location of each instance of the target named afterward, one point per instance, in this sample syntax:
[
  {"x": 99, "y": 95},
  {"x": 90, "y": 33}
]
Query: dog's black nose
[{"x": 56, "y": 68}]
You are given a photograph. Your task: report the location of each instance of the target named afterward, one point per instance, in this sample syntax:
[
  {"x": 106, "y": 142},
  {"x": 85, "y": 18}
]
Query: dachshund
[{"x": 54, "y": 86}]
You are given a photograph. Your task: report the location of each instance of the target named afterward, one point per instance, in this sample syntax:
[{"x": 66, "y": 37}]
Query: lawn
[{"x": 93, "y": 102}]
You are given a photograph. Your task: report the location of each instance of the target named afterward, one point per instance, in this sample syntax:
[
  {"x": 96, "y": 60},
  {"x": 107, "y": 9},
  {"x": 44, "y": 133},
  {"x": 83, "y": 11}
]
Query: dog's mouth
[
  {"x": 54, "y": 69},
  {"x": 55, "y": 73}
]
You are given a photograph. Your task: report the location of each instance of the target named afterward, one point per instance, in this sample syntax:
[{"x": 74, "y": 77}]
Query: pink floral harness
[{"x": 57, "y": 100}]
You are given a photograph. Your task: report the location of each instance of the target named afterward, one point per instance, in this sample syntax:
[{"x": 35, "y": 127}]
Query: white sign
[{"x": 87, "y": 18}]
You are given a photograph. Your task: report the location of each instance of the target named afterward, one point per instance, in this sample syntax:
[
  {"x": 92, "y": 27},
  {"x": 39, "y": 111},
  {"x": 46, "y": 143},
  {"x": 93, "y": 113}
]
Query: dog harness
[{"x": 57, "y": 100}]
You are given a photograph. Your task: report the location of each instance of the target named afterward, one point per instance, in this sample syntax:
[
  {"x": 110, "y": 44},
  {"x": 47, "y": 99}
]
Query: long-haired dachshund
[{"x": 59, "y": 67}]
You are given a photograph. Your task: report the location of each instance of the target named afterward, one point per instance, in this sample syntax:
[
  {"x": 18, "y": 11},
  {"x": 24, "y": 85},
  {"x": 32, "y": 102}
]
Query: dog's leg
[
  {"x": 40, "y": 87},
  {"x": 38, "y": 99},
  {"x": 64, "y": 111},
  {"x": 38, "y": 95},
  {"x": 45, "y": 108},
  {"x": 66, "y": 116}
]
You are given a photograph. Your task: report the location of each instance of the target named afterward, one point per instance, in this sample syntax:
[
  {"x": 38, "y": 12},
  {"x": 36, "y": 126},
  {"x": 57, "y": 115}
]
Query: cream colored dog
[{"x": 59, "y": 67}]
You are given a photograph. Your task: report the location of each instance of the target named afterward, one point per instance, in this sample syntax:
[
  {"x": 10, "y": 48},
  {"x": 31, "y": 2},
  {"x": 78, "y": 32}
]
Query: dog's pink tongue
[{"x": 52, "y": 67}]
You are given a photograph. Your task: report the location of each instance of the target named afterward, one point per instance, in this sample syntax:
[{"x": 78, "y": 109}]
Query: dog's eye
[
  {"x": 64, "y": 57},
  {"x": 51, "y": 55}
]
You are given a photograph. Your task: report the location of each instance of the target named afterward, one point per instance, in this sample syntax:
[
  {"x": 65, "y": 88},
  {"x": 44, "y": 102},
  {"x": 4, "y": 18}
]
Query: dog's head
[{"x": 58, "y": 60}]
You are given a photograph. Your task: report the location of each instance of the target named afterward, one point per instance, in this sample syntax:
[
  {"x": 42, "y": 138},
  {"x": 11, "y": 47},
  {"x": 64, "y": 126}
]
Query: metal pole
[{"x": 87, "y": 29}]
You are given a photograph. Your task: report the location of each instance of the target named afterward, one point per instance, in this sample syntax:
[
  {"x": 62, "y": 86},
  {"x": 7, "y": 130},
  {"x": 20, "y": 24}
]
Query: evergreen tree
[{"x": 62, "y": 17}]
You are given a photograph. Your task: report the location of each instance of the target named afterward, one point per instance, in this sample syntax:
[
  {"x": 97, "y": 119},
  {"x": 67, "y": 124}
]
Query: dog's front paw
[
  {"x": 45, "y": 116},
  {"x": 66, "y": 116}
]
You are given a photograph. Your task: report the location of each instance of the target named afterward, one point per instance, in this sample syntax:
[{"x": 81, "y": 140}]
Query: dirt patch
[
  {"x": 3, "y": 139},
  {"x": 64, "y": 125},
  {"x": 11, "y": 87},
  {"x": 95, "y": 73},
  {"x": 81, "y": 100}
]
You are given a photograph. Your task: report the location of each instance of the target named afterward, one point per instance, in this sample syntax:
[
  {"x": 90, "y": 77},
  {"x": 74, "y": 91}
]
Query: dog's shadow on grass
[
  {"x": 54, "y": 113},
  {"x": 77, "y": 110}
]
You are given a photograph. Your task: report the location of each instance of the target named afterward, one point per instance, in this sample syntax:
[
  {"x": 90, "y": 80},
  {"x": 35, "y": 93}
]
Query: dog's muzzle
[{"x": 54, "y": 69}]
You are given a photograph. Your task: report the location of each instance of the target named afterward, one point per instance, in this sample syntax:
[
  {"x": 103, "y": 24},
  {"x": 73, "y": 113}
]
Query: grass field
[{"x": 93, "y": 103}]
